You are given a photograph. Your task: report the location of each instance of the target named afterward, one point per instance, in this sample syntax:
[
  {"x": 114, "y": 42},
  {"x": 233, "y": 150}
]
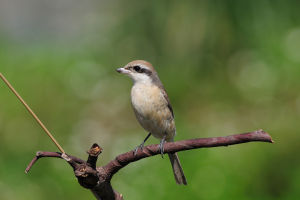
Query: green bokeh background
[{"x": 228, "y": 67}]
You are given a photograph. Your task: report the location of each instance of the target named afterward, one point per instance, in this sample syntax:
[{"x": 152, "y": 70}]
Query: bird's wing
[
  {"x": 158, "y": 83},
  {"x": 168, "y": 100}
]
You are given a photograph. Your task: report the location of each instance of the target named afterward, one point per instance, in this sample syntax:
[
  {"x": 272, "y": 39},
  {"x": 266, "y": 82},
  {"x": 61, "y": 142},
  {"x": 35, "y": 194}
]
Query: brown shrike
[{"x": 152, "y": 108}]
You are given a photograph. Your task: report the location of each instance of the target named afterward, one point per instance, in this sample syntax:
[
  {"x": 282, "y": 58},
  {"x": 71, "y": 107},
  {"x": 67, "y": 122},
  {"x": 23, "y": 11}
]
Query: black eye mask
[
  {"x": 142, "y": 70},
  {"x": 137, "y": 68}
]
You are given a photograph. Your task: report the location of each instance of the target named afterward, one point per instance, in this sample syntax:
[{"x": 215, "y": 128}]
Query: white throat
[{"x": 139, "y": 78}]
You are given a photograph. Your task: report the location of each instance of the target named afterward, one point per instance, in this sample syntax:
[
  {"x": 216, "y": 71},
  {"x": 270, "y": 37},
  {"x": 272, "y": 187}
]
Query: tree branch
[
  {"x": 171, "y": 147},
  {"x": 98, "y": 179}
]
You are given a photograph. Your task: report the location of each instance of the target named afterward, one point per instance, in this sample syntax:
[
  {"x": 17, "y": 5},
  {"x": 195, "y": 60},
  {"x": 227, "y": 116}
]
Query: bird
[{"x": 152, "y": 109}]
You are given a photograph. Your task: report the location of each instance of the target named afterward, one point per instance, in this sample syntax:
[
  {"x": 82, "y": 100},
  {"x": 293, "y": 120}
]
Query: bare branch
[
  {"x": 39, "y": 155},
  {"x": 98, "y": 179},
  {"x": 171, "y": 147},
  {"x": 43, "y": 154}
]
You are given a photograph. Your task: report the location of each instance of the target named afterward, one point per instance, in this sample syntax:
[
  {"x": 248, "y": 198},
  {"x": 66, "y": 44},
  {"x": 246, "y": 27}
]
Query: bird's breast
[
  {"x": 147, "y": 99},
  {"x": 151, "y": 110}
]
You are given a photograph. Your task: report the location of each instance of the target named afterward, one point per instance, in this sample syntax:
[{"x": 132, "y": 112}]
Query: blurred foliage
[{"x": 228, "y": 66}]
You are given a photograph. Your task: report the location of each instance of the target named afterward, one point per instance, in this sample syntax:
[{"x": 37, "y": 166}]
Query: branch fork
[{"x": 97, "y": 179}]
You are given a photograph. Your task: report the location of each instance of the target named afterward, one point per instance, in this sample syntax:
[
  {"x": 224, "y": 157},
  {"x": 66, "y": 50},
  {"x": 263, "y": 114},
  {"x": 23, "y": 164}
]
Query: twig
[
  {"x": 46, "y": 154},
  {"x": 94, "y": 152},
  {"x": 98, "y": 180},
  {"x": 32, "y": 113}
]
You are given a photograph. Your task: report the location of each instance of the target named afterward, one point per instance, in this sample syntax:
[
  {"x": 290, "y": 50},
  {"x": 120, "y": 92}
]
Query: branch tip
[{"x": 95, "y": 150}]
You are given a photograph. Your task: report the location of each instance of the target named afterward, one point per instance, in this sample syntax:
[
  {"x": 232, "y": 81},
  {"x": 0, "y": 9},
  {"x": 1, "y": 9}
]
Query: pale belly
[{"x": 152, "y": 112}]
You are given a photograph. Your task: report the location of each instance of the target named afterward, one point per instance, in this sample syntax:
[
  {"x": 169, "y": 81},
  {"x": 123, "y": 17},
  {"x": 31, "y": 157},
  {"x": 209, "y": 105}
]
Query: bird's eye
[{"x": 137, "y": 68}]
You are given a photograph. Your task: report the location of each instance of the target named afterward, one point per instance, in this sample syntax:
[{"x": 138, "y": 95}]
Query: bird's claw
[
  {"x": 141, "y": 146},
  {"x": 161, "y": 147}
]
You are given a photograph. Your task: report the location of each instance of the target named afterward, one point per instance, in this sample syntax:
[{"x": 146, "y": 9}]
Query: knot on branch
[
  {"x": 87, "y": 177},
  {"x": 86, "y": 172}
]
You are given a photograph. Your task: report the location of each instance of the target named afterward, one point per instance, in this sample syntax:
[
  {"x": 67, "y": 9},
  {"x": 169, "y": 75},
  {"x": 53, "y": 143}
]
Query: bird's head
[{"x": 139, "y": 71}]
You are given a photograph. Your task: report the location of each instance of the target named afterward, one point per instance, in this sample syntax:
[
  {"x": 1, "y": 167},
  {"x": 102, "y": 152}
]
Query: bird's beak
[{"x": 122, "y": 70}]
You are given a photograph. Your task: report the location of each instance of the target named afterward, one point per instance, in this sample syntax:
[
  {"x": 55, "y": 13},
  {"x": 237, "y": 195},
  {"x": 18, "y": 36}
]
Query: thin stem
[{"x": 32, "y": 113}]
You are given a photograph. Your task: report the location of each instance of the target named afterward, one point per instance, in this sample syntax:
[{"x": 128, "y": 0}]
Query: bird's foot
[
  {"x": 161, "y": 146},
  {"x": 141, "y": 146}
]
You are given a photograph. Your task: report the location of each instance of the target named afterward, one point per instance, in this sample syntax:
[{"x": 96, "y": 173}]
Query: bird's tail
[{"x": 177, "y": 169}]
